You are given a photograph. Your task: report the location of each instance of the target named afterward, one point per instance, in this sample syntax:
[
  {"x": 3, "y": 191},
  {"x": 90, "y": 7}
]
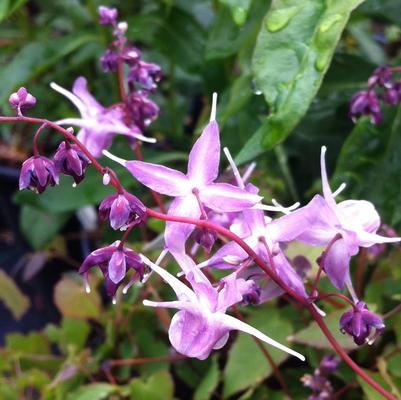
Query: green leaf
[
  {"x": 240, "y": 371},
  {"x": 73, "y": 302},
  {"x": 239, "y": 9},
  {"x": 12, "y": 296},
  {"x": 159, "y": 386},
  {"x": 370, "y": 393},
  {"x": 74, "y": 333},
  {"x": 205, "y": 389},
  {"x": 370, "y": 153},
  {"x": 39, "y": 227},
  {"x": 313, "y": 336},
  {"x": 94, "y": 391},
  {"x": 33, "y": 343},
  {"x": 292, "y": 54},
  {"x": 6, "y": 9}
]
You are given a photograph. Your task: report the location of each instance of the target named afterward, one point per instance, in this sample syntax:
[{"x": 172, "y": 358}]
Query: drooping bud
[
  {"x": 37, "y": 173},
  {"x": 21, "y": 100},
  {"x": 109, "y": 61},
  {"x": 205, "y": 237},
  {"x": 382, "y": 76},
  {"x": 143, "y": 110},
  {"x": 70, "y": 160},
  {"x": 107, "y": 16},
  {"x": 122, "y": 209},
  {"x": 114, "y": 262},
  {"x": 146, "y": 74},
  {"x": 365, "y": 103},
  {"x": 363, "y": 325}
]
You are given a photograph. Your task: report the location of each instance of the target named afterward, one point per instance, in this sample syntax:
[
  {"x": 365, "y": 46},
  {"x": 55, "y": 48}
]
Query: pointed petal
[
  {"x": 367, "y": 239},
  {"x": 70, "y": 96},
  {"x": 230, "y": 250},
  {"x": 180, "y": 305},
  {"x": 177, "y": 233},
  {"x": 161, "y": 179},
  {"x": 203, "y": 161},
  {"x": 79, "y": 88},
  {"x": 117, "y": 267},
  {"x": 336, "y": 264},
  {"x": 328, "y": 195},
  {"x": 234, "y": 323},
  {"x": 225, "y": 197},
  {"x": 182, "y": 291}
]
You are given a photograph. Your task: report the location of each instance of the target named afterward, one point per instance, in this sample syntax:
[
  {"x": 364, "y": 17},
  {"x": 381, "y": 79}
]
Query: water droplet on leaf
[
  {"x": 329, "y": 21},
  {"x": 239, "y": 15},
  {"x": 279, "y": 19}
]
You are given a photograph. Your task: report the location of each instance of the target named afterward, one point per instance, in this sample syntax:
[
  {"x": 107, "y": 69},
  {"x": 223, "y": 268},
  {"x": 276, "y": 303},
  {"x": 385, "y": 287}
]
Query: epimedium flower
[
  {"x": 354, "y": 222},
  {"x": 98, "y": 124},
  {"x": 70, "y": 160},
  {"x": 122, "y": 209},
  {"x": 114, "y": 261},
  {"x": 360, "y": 323},
  {"x": 107, "y": 16},
  {"x": 194, "y": 190},
  {"x": 21, "y": 100},
  {"x": 366, "y": 103},
  {"x": 201, "y": 324},
  {"x": 37, "y": 173}
]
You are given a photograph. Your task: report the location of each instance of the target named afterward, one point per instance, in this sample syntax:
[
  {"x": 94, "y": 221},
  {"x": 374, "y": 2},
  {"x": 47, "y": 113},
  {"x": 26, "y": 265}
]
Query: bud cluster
[{"x": 381, "y": 88}]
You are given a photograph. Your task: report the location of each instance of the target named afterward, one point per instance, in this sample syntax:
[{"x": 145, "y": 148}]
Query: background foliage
[{"x": 284, "y": 73}]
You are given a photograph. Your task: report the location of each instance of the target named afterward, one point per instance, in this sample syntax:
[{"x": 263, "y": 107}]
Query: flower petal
[
  {"x": 225, "y": 197},
  {"x": 204, "y": 158},
  {"x": 117, "y": 267},
  {"x": 159, "y": 178},
  {"x": 336, "y": 264},
  {"x": 328, "y": 195}
]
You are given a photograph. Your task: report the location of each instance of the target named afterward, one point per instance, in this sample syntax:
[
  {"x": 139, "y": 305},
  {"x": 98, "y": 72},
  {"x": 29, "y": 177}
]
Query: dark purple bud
[
  {"x": 37, "y": 173},
  {"x": 109, "y": 61},
  {"x": 382, "y": 76},
  {"x": 365, "y": 103},
  {"x": 205, "y": 237},
  {"x": 253, "y": 296},
  {"x": 131, "y": 55},
  {"x": 363, "y": 325},
  {"x": 143, "y": 110},
  {"x": 107, "y": 16},
  {"x": 21, "y": 100},
  {"x": 391, "y": 97},
  {"x": 70, "y": 160},
  {"x": 122, "y": 209},
  {"x": 114, "y": 261},
  {"x": 146, "y": 74}
]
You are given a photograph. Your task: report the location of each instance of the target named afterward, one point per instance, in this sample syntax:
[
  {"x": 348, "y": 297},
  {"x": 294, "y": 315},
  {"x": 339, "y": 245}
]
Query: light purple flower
[
  {"x": 194, "y": 189},
  {"x": 37, "y": 173},
  {"x": 98, "y": 124},
  {"x": 122, "y": 209},
  {"x": 201, "y": 325},
  {"x": 146, "y": 74},
  {"x": 114, "y": 261},
  {"x": 357, "y": 221},
  {"x": 363, "y": 325},
  {"x": 21, "y": 100},
  {"x": 70, "y": 160},
  {"x": 365, "y": 103},
  {"x": 107, "y": 16}
]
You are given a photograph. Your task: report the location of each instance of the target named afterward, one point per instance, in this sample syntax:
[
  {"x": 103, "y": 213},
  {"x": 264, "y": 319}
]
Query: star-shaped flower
[{"x": 202, "y": 325}]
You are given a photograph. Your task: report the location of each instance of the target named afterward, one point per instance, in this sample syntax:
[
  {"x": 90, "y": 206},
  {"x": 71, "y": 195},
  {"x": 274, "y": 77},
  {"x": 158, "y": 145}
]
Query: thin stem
[
  {"x": 155, "y": 195},
  {"x": 121, "y": 87},
  {"x": 339, "y": 295},
  {"x": 390, "y": 313},
  {"x": 322, "y": 261},
  {"x": 36, "y": 138}
]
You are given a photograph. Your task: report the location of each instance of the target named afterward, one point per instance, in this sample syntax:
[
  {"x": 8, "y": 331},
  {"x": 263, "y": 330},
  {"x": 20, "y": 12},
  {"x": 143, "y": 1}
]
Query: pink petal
[
  {"x": 203, "y": 162},
  {"x": 336, "y": 264},
  {"x": 177, "y": 233},
  {"x": 161, "y": 179},
  {"x": 225, "y": 197},
  {"x": 80, "y": 90},
  {"x": 360, "y": 214},
  {"x": 328, "y": 195}
]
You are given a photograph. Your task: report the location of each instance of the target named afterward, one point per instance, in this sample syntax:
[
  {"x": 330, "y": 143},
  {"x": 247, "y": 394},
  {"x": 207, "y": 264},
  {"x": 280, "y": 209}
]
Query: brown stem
[{"x": 390, "y": 313}]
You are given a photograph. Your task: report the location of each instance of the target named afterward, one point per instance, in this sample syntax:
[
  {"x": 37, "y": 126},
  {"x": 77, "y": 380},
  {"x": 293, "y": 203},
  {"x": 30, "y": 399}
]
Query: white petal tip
[
  {"x": 323, "y": 150},
  {"x": 114, "y": 301},
  {"x": 88, "y": 290},
  {"x": 114, "y": 158},
  {"x": 147, "y": 303},
  {"x": 214, "y": 107}
]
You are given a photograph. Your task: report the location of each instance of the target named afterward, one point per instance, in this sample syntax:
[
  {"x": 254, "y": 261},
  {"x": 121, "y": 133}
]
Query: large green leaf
[
  {"x": 94, "y": 391},
  {"x": 370, "y": 164},
  {"x": 159, "y": 386},
  {"x": 8, "y": 7},
  {"x": 246, "y": 365},
  {"x": 209, "y": 382},
  {"x": 292, "y": 54}
]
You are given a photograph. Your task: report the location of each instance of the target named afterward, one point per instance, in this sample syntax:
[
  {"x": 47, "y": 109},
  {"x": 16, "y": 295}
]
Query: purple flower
[
  {"x": 143, "y": 111},
  {"x": 37, "y": 173},
  {"x": 201, "y": 323},
  {"x": 193, "y": 190},
  {"x": 205, "y": 237},
  {"x": 131, "y": 55},
  {"x": 70, "y": 160},
  {"x": 98, "y": 124},
  {"x": 363, "y": 325},
  {"x": 329, "y": 364},
  {"x": 109, "y": 61},
  {"x": 391, "y": 96},
  {"x": 365, "y": 103},
  {"x": 122, "y": 209},
  {"x": 107, "y": 16},
  {"x": 114, "y": 261},
  {"x": 21, "y": 100},
  {"x": 382, "y": 76},
  {"x": 146, "y": 74},
  {"x": 357, "y": 221}
]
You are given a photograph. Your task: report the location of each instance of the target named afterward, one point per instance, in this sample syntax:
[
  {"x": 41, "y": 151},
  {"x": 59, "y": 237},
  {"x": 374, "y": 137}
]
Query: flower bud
[
  {"x": 70, "y": 160},
  {"x": 107, "y": 16},
  {"x": 122, "y": 209},
  {"x": 37, "y": 173},
  {"x": 21, "y": 100}
]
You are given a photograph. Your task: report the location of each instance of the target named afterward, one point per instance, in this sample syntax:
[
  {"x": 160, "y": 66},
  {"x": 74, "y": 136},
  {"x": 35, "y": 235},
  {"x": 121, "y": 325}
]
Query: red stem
[
  {"x": 339, "y": 295},
  {"x": 35, "y": 140},
  {"x": 123, "y": 95}
]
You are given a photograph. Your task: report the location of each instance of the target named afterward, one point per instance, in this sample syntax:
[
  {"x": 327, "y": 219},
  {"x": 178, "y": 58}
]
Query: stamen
[
  {"x": 340, "y": 189},
  {"x": 234, "y": 168},
  {"x": 114, "y": 158},
  {"x": 214, "y": 107}
]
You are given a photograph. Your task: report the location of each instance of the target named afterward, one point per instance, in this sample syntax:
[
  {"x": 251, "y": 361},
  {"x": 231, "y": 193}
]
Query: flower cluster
[
  {"x": 381, "y": 86},
  {"x": 319, "y": 382}
]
